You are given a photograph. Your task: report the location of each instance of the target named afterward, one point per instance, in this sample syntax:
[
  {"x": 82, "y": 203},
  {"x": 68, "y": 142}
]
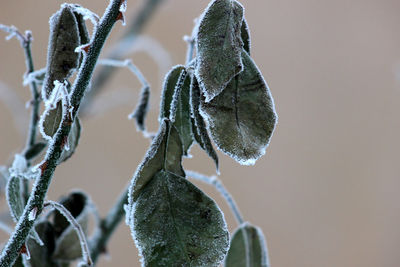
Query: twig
[
  {"x": 47, "y": 167},
  {"x": 77, "y": 227},
  {"x": 214, "y": 181},
  {"x": 123, "y": 45},
  {"x": 107, "y": 227}
]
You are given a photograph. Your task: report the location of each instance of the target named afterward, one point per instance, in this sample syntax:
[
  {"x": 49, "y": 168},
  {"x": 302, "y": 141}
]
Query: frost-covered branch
[{"x": 47, "y": 167}]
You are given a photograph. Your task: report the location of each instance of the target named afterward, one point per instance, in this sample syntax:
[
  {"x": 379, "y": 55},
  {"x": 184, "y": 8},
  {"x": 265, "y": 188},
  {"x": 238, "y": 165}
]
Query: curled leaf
[
  {"x": 67, "y": 241},
  {"x": 175, "y": 224},
  {"x": 219, "y": 45},
  {"x": 248, "y": 248},
  {"x": 61, "y": 57},
  {"x": 242, "y": 118},
  {"x": 198, "y": 125}
]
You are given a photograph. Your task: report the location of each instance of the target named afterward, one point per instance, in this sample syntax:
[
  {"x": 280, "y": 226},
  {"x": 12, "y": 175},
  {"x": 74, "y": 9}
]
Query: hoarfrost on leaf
[
  {"x": 176, "y": 224},
  {"x": 219, "y": 46}
]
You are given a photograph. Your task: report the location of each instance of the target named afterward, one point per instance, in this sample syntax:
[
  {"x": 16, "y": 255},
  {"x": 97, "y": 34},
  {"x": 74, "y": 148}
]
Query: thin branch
[
  {"x": 214, "y": 181},
  {"x": 107, "y": 226},
  {"x": 77, "y": 227},
  {"x": 48, "y": 166},
  {"x": 119, "y": 51}
]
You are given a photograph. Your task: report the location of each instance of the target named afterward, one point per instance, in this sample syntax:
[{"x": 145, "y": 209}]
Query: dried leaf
[
  {"x": 200, "y": 130},
  {"x": 68, "y": 245},
  {"x": 245, "y": 34},
  {"x": 219, "y": 45},
  {"x": 175, "y": 224},
  {"x": 141, "y": 109},
  {"x": 35, "y": 150},
  {"x": 165, "y": 153},
  {"x": 14, "y": 197},
  {"x": 257, "y": 252},
  {"x": 73, "y": 141},
  {"x": 242, "y": 118},
  {"x": 61, "y": 57},
  {"x": 41, "y": 255}
]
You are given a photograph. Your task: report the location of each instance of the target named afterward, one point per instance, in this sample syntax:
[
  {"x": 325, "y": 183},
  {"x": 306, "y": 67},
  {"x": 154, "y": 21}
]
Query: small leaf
[
  {"x": 61, "y": 57},
  {"x": 165, "y": 153},
  {"x": 219, "y": 46},
  {"x": 245, "y": 34},
  {"x": 200, "y": 131},
  {"x": 175, "y": 224},
  {"x": 242, "y": 118},
  {"x": 257, "y": 250},
  {"x": 41, "y": 255},
  {"x": 14, "y": 197},
  {"x": 68, "y": 245},
  {"x": 35, "y": 150},
  {"x": 172, "y": 89},
  {"x": 73, "y": 141},
  {"x": 50, "y": 121},
  {"x": 141, "y": 109}
]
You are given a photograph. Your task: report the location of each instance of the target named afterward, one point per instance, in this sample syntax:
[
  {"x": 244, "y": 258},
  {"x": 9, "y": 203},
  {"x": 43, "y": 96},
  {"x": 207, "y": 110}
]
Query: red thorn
[
  {"x": 43, "y": 166},
  {"x": 86, "y": 48},
  {"x": 121, "y": 17},
  {"x": 23, "y": 250}
]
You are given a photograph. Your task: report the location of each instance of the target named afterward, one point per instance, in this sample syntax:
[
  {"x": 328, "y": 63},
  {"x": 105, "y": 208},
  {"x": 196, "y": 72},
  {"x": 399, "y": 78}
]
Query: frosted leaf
[
  {"x": 242, "y": 118},
  {"x": 178, "y": 96},
  {"x": 84, "y": 13},
  {"x": 175, "y": 224},
  {"x": 68, "y": 246},
  {"x": 14, "y": 197},
  {"x": 165, "y": 153},
  {"x": 245, "y": 34},
  {"x": 251, "y": 237},
  {"x": 19, "y": 165},
  {"x": 140, "y": 112},
  {"x": 41, "y": 255},
  {"x": 200, "y": 130},
  {"x": 72, "y": 141},
  {"x": 61, "y": 57},
  {"x": 219, "y": 46},
  {"x": 50, "y": 121},
  {"x": 34, "y": 150}
]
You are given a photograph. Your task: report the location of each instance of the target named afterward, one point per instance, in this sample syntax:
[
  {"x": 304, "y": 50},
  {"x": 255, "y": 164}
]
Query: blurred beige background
[{"x": 327, "y": 193}]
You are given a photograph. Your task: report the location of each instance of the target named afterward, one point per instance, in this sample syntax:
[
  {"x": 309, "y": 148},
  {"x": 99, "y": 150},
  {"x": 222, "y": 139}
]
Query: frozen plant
[{"x": 218, "y": 97}]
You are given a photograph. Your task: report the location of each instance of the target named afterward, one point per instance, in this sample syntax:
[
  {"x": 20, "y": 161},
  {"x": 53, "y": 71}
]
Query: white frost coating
[
  {"x": 19, "y": 165},
  {"x": 32, "y": 214},
  {"x": 81, "y": 48},
  {"x": 11, "y": 30},
  {"x": 122, "y": 9},
  {"x": 86, "y": 13},
  {"x": 33, "y": 77}
]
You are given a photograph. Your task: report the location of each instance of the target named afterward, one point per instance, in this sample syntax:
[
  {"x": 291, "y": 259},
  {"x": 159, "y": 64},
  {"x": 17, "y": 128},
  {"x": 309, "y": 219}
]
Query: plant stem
[
  {"x": 47, "y": 167},
  {"x": 119, "y": 50},
  {"x": 107, "y": 226}
]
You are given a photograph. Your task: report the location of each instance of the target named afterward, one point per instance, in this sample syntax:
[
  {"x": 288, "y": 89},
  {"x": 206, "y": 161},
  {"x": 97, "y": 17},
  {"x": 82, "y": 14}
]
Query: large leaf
[
  {"x": 14, "y": 197},
  {"x": 242, "y": 118},
  {"x": 68, "y": 246},
  {"x": 219, "y": 46},
  {"x": 165, "y": 153},
  {"x": 175, "y": 224},
  {"x": 257, "y": 255},
  {"x": 182, "y": 115},
  {"x": 198, "y": 124},
  {"x": 61, "y": 57}
]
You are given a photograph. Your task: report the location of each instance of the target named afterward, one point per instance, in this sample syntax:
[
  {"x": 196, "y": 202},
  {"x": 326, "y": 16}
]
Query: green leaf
[
  {"x": 219, "y": 45},
  {"x": 242, "y": 118},
  {"x": 61, "y": 57},
  {"x": 73, "y": 141},
  {"x": 200, "y": 130},
  {"x": 165, "y": 153},
  {"x": 245, "y": 34},
  {"x": 14, "y": 197},
  {"x": 50, "y": 121},
  {"x": 175, "y": 224},
  {"x": 67, "y": 241},
  {"x": 257, "y": 251},
  {"x": 170, "y": 82},
  {"x": 35, "y": 150},
  {"x": 41, "y": 255}
]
